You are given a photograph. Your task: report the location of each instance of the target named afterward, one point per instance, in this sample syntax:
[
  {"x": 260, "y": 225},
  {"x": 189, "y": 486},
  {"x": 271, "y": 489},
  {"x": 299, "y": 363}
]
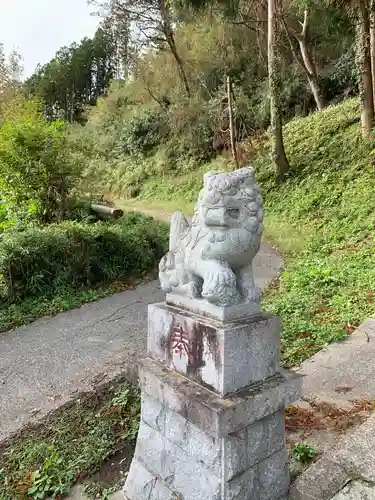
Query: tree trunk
[
  {"x": 232, "y": 130},
  {"x": 105, "y": 212},
  {"x": 372, "y": 45},
  {"x": 312, "y": 74},
  {"x": 314, "y": 86},
  {"x": 304, "y": 59},
  {"x": 277, "y": 142},
  {"x": 364, "y": 68},
  {"x": 180, "y": 64},
  {"x": 169, "y": 35},
  {"x": 261, "y": 28},
  {"x": 72, "y": 105}
]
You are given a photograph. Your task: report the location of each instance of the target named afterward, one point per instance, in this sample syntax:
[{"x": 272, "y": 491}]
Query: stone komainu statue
[{"x": 211, "y": 257}]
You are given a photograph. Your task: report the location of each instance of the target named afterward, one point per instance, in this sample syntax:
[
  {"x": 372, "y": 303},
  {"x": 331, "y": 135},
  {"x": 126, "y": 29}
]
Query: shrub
[
  {"x": 192, "y": 126},
  {"x": 35, "y": 164},
  {"x": 40, "y": 260},
  {"x": 341, "y": 80},
  {"x": 144, "y": 132}
]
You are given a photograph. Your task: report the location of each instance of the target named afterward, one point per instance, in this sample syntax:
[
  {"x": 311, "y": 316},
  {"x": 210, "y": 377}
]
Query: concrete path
[
  {"x": 44, "y": 364},
  {"x": 347, "y": 472},
  {"x": 343, "y": 371},
  {"x": 340, "y": 374}
]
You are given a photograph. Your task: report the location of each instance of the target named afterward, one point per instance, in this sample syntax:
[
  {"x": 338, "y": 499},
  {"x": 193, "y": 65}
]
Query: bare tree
[
  {"x": 11, "y": 69},
  {"x": 303, "y": 56},
  {"x": 153, "y": 25},
  {"x": 278, "y": 150},
  {"x": 261, "y": 27}
]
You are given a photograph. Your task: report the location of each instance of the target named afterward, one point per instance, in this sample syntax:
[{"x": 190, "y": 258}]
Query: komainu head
[{"x": 230, "y": 200}]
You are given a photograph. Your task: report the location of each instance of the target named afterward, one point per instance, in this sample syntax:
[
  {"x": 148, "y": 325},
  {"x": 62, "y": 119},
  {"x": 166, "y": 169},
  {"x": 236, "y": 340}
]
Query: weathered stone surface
[
  {"x": 153, "y": 412},
  {"x": 320, "y": 482},
  {"x": 234, "y": 453},
  {"x": 231, "y": 454},
  {"x": 226, "y": 358},
  {"x": 357, "y": 452},
  {"x": 353, "y": 457},
  {"x": 250, "y": 446},
  {"x": 356, "y": 490},
  {"x": 142, "y": 484},
  {"x": 179, "y": 431},
  {"x": 242, "y": 487},
  {"x": 214, "y": 415},
  {"x": 268, "y": 480},
  {"x": 211, "y": 311},
  {"x": 178, "y": 471},
  {"x": 161, "y": 465},
  {"x": 209, "y": 262},
  {"x": 273, "y": 476},
  {"x": 265, "y": 437},
  {"x": 346, "y": 364}
]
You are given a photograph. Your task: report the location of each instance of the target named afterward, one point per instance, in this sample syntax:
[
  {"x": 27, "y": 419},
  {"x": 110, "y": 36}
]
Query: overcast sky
[{"x": 38, "y": 28}]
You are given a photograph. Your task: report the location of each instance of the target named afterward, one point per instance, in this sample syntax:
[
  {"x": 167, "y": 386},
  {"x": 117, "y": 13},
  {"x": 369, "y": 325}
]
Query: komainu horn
[{"x": 210, "y": 259}]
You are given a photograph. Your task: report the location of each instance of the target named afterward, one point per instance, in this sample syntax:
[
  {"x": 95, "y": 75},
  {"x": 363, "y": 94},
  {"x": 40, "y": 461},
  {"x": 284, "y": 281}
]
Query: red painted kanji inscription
[{"x": 180, "y": 343}]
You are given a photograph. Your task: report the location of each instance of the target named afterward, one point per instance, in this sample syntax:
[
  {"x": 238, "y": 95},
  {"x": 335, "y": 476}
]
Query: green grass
[
  {"x": 323, "y": 220},
  {"x": 70, "y": 445},
  {"x": 328, "y": 208}
]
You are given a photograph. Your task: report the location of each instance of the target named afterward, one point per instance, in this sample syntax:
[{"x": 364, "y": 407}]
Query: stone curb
[{"x": 321, "y": 481}]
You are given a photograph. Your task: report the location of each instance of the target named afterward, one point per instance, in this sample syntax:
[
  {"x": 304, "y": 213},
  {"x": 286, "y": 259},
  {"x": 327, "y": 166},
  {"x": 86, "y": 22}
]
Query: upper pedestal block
[{"x": 222, "y": 357}]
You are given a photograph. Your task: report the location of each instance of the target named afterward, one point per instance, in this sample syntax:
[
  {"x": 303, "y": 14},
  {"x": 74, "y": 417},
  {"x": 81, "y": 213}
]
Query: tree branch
[
  {"x": 305, "y": 24},
  {"x": 290, "y": 32},
  {"x": 244, "y": 23}
]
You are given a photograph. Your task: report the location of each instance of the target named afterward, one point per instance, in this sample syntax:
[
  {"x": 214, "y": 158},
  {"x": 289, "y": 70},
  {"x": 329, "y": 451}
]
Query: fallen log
[{"x": 105, "y": 212}]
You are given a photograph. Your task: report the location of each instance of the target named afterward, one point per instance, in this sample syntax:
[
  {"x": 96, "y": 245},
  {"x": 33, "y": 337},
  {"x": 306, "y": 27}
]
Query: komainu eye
[{"x": 234, "y": 213}]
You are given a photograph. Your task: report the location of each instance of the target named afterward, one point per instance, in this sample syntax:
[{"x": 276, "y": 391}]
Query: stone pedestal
[
  {"x": 224, "y": 357},
  {"x": 212, "y": 418}
]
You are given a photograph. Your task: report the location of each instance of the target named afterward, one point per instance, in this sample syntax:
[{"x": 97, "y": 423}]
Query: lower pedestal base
[
  {"x": 195, "y": 445},
  {"x": 266, "y": 481}
]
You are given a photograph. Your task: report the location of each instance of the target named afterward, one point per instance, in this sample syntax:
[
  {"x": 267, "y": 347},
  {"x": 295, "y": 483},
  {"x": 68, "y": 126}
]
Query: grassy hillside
[{"x": 322, "y": 218}]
